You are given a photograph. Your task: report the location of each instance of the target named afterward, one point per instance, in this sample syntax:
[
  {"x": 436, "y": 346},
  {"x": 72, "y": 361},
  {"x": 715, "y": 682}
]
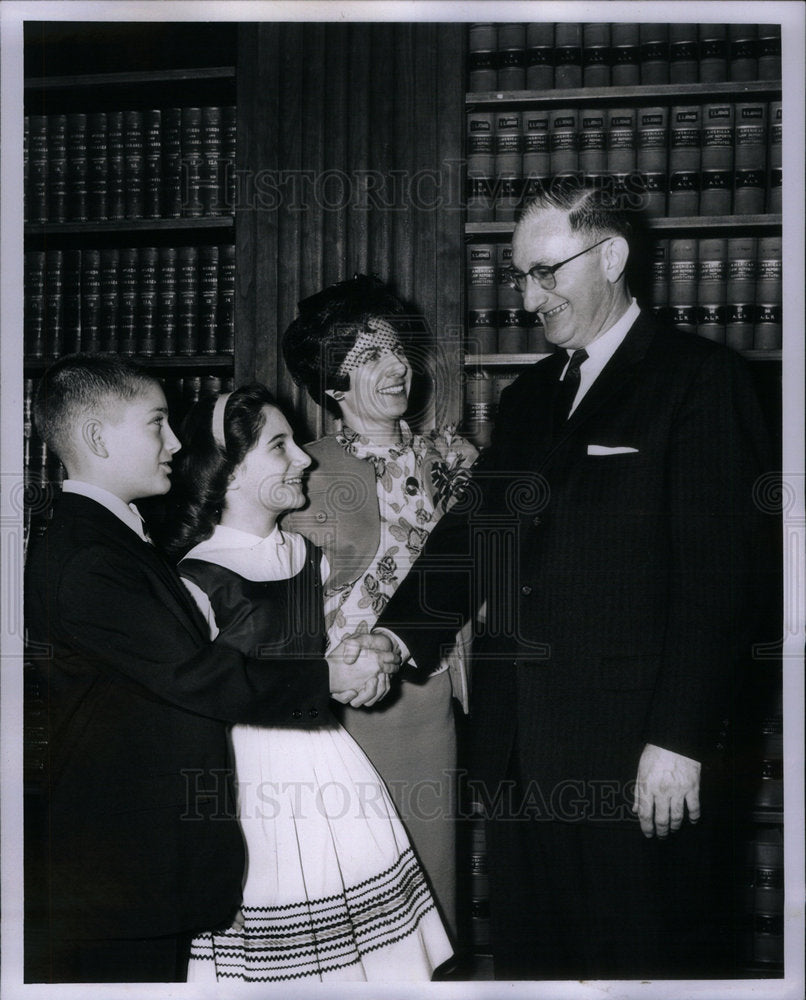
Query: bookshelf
[
  {"x": 686, "y": 117},
  {"x": 129, "y": 232}
]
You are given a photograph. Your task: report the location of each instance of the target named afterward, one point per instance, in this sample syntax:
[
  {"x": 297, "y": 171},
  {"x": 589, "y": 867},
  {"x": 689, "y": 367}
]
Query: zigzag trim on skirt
[{"x": 318, "y": 936}]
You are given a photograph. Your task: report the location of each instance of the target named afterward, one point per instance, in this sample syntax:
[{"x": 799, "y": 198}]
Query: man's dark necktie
[{"x": 567, "y": 389}]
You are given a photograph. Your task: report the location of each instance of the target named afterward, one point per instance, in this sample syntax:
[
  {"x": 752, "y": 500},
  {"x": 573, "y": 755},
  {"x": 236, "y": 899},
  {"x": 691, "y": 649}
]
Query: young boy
[{"x": 141, "y": 846}]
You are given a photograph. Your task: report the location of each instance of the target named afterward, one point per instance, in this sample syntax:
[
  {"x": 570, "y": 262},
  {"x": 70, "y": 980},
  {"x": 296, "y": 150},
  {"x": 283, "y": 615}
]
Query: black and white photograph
[{"x": 402, "y": 487}]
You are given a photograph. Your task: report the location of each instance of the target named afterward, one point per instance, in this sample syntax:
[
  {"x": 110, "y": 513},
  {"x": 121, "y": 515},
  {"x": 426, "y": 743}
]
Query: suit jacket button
[
  {"x": 296, "y": 714},
  {"x": 313, "y": 712},
  {"x": 321, "y": 516},
  {"x": 526, "y": 590}
]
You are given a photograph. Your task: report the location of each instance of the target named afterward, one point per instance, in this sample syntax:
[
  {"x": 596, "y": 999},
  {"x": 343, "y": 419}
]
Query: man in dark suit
[
  {"x": 612, "y": 531},
  {"x": 141, "y": 846}
]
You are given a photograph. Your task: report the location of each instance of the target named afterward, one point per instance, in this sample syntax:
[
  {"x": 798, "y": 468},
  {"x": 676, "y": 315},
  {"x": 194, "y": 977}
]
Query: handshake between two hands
[{"x": 360, "y": 667}]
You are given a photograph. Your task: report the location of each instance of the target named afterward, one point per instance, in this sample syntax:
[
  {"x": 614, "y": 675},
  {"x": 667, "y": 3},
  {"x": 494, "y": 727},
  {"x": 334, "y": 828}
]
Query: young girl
[{"x": 333, "y": 890}]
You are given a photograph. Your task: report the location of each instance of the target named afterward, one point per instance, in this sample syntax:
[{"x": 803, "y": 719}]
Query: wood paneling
[{"x": 349, "y": 142}]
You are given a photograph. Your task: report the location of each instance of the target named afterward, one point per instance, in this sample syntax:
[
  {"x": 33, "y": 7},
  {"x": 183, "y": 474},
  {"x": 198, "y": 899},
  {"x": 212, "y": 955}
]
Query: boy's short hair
[{"x": 78, "y": 383}]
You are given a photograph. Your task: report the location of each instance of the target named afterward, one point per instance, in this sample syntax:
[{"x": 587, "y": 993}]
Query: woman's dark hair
[
  {"x": 328, "y": 324},
  {"x": 202, "y": 468}
]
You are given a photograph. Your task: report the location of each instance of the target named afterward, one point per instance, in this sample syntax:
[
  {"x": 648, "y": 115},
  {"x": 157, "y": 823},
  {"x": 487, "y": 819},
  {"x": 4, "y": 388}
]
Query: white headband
[{"x": 218, "y": 419}]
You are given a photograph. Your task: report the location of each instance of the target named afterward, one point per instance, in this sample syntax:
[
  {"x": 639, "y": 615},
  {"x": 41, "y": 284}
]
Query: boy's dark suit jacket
[
  {"x": 141, "y": 837},
  {"x": 618, "y": 583}
]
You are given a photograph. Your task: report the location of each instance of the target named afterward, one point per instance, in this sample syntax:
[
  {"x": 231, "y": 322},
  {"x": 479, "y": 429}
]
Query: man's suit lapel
[
  {"x": 106, "y": 524},
  {"x": 617, "y": 373}
]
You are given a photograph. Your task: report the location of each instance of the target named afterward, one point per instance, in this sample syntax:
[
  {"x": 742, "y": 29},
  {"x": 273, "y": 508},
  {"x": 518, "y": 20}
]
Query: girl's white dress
[{"x": 332, "y": 890}]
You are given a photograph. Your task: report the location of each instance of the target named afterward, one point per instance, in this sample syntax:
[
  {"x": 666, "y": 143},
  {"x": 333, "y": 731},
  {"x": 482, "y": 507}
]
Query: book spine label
[
  {"x": 187, "y": 283},
  {"x": 226, "y": 299},
  {"x": 34, "y": 304},
  {"x": 152, "y": 163},
  {"x": 167, "y": 301},
  {"x": 116, "y": 170},
  {"x": 147, "y": 301},
  {"x": 563, "y": 126},
  {"x": 91, "y": 300},
  {"x": 134, "y": 164}
]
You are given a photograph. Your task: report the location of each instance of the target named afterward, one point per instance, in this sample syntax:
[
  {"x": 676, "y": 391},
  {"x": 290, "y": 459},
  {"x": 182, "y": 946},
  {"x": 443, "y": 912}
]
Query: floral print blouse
[{"x": 409, "y": 507}]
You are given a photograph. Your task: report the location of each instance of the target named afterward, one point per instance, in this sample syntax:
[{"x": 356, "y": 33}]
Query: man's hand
[
  {"x": 357, "y": 660},
  {"x": 667, "y": 784}
]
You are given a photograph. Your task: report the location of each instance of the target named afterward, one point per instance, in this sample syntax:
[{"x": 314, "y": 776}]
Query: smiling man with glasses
[{"x": 603, "y": 677}]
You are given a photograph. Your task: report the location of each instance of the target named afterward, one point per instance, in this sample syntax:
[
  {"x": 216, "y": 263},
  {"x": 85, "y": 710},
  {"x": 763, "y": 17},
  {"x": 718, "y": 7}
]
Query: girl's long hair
[{"x": 202, "y": 468}]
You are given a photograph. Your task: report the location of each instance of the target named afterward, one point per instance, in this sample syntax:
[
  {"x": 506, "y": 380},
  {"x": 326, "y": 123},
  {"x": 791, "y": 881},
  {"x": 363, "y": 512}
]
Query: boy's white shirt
[{"x": 125, "y": 512}]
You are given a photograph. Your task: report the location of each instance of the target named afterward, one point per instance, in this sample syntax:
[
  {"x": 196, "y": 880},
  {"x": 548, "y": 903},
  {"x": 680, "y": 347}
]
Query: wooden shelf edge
[
  {"x": 217, "y": 361},
  {"x": 132, "y": 77},
  {"x": 661, "y": 224},
  {"x": 34, "y": 230},
  {"x": 637, "y": 94},
  {"x": 519, "y": 360}
]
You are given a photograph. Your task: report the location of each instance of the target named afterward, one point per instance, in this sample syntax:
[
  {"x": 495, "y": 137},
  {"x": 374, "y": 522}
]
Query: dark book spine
[
  {"x": 166, "y": 324},
  {"x": 228, "y": 178},
  {"x": 110, "y": 294},
  {"x": 567, "y": 56},
  {"x": 71, "y": 319},
  {"x": 91, "y": 300},
  {"x": 210, "y": 161},
  {"x": 128, "y": 280},
  {"x": 596, "y": 54},
  {"x": 769, "y": 52},
  {"x": 172, "y": 163},
  {"x": 208, "y": 299},
  {"x": 740, "y": 297},
  {"x": 147, "y": 301},
  {"x": 683, "y": 283},
  {"x": 654, "y": 40},
  {"x": 625, "y": 53},
  {"x": 57, "y": 168},
  {"x": 54, "y": 265},
  {"x": 482, "y": 57},
  {"x": 563, "y": 125},
  {"x": 716, "y": 178},
  {"x": 225, "y": 317},
  {"x": 511, "y": 56},
  {"x": 768, "y": 331},
  {"x": 34, "y": 304},
  {"x": 743, "y": 51},
  {"x": 38, "y": 169},
  {"x": 660, "y": 279},
  {"x": 775, "y": 177},
  {"x": 478, "y": 418},
  {"x": 750, "y": 152},
  {"x": 713, "y": 52},
  {"x": 191, "y": 161},
  {"x": 540, "y": 56},
  {"x": 187, "y": 282},
  {"x": 116, "y": 170},
  {"x": 134, "y": 164},
  {"x": 98, "y": 165},
  {"x": 152, "y": 163},
  {"x": 26, "y": 163},
  {"x": 684, "y": 160},
  {"x": 478, "y": 884},
  {"x": 712, "y": 276},
  {"x": 508, "y": 163},
  {"x": 684, "y": 62}
]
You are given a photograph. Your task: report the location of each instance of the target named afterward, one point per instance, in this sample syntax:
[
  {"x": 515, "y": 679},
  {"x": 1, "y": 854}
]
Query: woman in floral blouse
[{"x": 376, "y": 490}]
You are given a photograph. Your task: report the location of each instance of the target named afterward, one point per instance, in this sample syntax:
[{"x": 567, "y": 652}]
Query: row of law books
[
  {"x": 548, "y": 56},
  {"x": 727, "y": 289},
  {"x": 715, "y": 158},
  {"x": 158, "y": 163},
  {"x": 146, "y": 301}
]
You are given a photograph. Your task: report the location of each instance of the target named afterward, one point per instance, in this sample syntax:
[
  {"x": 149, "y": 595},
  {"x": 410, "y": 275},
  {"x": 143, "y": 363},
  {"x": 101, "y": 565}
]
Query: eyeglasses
[{"x": 543, "y": 274}]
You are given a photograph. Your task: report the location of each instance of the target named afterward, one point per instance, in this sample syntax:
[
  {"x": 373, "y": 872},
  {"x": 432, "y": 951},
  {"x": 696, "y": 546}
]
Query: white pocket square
[{"x": 601, "y": 449}]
